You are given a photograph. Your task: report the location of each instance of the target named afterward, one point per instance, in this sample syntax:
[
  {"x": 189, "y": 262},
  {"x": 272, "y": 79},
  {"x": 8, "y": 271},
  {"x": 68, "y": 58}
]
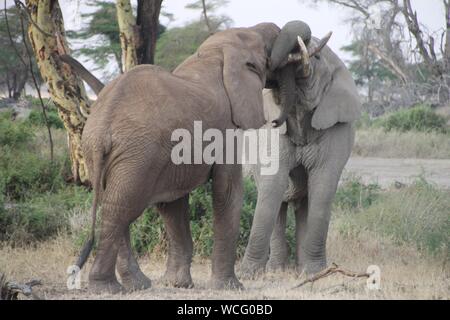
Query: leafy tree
[
  {"x": 14, "y": 74},
  {"x": 103, "y": 24},
  {"x": 366, "y": 68},
  {"x": 177, "y": 44},
  {"x": 208, "y": 8}
]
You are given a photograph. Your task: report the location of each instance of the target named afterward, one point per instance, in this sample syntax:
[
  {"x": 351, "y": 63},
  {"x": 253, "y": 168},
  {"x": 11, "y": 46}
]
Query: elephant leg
[
  {"x": 322, "y": 187},
  {"x": 131, "y": 276},
  {"x": 279, "y": 248},
  {"x": 228, "y": 194},
  {"x": 301, "y": 214},
  {"x": 102, "y": 277},
  {"x": 176, "y": 221},
  {"x": 271, "y": 190}
]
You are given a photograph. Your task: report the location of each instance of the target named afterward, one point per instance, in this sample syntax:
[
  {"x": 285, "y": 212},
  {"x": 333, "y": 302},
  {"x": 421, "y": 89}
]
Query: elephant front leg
[
  {"x": 176, "y": 221},
  {"x": 270, "y": 195},
  {"x": 130, "y": 274},
  {"x": 227, "y": 202},
  {"x": 321, "y": 190},
  {"x": 279, "y": 248}
]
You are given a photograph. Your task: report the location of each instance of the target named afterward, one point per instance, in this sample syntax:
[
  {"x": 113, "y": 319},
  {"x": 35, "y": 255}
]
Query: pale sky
[{"x": 322, "y": 18}]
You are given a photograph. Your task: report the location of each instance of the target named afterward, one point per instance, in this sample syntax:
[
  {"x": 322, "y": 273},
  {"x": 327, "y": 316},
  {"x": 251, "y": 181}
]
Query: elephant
[
  {"x": 309, "y": 172},
  {"x": 127, "y": 146},
  {"x": 285, "y": 76}
]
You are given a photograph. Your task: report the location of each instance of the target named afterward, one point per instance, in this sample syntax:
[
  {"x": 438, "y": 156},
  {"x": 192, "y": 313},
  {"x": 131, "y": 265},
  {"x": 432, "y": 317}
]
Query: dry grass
[
  {"x": 406, "y": 274},
  {"x": 374, "y": 142}
]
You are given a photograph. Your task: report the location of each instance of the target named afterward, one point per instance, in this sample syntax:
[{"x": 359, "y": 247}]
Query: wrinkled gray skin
[
  {"x": 309, "y": 174},
  {"x": 284, "y": 93},
  {"x": 127, "y": 145}
]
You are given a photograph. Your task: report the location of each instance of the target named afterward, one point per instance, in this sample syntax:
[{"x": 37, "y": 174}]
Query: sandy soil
[
  {"x": 386, "y": 172},
  {"x": 405, "y": 274}
]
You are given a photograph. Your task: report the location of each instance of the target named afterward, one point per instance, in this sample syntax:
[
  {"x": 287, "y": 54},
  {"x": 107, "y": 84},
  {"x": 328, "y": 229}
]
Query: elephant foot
[
  {"x": 135, "y": 281},
  {"x": 251, "y": 270},
  {"x": 181, "y": 279},
  {"x": 105, "y": 286},
  {"x": 230, "y": 283}
]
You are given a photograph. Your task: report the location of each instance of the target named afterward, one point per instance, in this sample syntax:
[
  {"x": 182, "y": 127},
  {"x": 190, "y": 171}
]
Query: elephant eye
[{"x": 251, "y": 66}]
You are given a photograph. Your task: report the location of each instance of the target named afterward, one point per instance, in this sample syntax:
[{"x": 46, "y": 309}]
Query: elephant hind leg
[
  {"x": 122, "y": 203},
  {"x": 279, "y": 248},
  {"x": 176, "y": 221},
  {"x": 131, "y": 276},
  {"x": 102, "y": 277},
  {"x": 227, "y": 203}
]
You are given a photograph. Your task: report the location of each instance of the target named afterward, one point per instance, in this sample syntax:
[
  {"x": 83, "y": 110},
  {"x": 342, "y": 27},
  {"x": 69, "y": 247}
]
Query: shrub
[
  {"x": 24, "y": 164},
  {"x": 40, "y": 217},
  {"x": 353, "y": 194},
  {"x": 418, "y": 214},
  {"x": 36, "y": 118},
  {"x": 25, "y": 172},
  {"x": 13, "y": 133},
  {"x": 420, "y": 118}
]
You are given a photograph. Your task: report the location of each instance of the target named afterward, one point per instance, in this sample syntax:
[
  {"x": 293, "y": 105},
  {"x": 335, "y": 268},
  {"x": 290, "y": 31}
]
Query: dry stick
[
  {"x": 334, "y": 269},
  {"x": 30, "y": 66}
]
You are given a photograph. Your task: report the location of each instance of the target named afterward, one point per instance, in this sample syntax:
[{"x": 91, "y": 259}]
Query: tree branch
[{"x": 389, "y": 63}]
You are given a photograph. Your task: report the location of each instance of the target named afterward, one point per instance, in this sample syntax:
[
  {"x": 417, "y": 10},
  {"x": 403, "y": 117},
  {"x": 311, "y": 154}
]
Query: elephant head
[{"x": 311, "y": 78}]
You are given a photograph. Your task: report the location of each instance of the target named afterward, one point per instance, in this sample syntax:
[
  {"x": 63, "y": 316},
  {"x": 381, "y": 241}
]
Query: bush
[
  {"x": 40, "y": 217},
  {"x": 13, "y": 133},
  {"x": 418, "y": 214},
  {"x": 353, "y": 194},
  {"x": 24, "y": 164},
  {"x": 420, "y": 118},
  {"x": 25, "y": 172},
  {"x": 36, "y": 118}
]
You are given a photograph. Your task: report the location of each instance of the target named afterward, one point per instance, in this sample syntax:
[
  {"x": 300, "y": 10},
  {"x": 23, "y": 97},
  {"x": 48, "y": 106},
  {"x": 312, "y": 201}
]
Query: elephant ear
[
  {"x": 244, "y": 78},
  {"x": 340, "y": 103}
]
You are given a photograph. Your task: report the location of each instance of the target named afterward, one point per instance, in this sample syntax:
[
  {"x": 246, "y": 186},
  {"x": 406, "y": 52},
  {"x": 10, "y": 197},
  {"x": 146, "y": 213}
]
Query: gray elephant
[
  {"x": 308, "y": 175},
  {"x": 127, "y": 145}
]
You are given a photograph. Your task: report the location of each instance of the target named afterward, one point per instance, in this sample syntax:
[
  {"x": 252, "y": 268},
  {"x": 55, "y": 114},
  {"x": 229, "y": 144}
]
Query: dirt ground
[
  {"x": 405, "y": 274},
  {"x": 386, "y": 172}
]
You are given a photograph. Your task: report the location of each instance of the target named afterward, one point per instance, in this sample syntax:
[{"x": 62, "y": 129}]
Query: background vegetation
[{"x": 37, "y": 203}]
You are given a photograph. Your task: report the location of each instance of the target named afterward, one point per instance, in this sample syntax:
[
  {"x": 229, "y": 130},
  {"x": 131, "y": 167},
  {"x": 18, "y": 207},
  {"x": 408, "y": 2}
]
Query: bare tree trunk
[
  {"x": 66, "y": 89},
  {"x": 148, "y": 24},
  {"x": 447, "y": 37},
  {"x": 128, "y": 34},
  {"x": 205, "y": 16},
  {"x": 22, "y": 77},
  {"x": 414, "y": 28}
]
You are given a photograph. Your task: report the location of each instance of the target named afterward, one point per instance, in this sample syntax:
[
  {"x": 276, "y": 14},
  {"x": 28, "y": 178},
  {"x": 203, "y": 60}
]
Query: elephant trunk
[{"x": 288, "y": 41}]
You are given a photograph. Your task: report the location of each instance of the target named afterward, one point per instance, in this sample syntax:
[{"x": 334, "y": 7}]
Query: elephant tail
[
  {"x": 80, "y": 70},
  {"x": 97, "y": 167}
]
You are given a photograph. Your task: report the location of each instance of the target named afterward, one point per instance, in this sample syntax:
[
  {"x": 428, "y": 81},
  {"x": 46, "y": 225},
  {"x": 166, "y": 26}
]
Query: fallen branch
[
  {"x": 11, "y": 290},
  {"x": 334, "y": 269}
]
